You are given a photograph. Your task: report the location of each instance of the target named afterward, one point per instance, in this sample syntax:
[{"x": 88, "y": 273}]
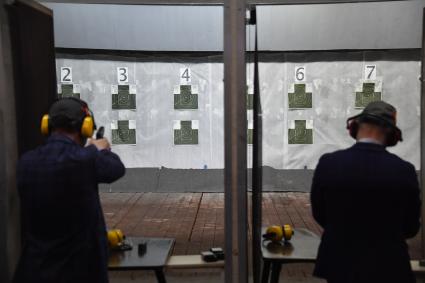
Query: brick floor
[{"x": 196, "y": 220}]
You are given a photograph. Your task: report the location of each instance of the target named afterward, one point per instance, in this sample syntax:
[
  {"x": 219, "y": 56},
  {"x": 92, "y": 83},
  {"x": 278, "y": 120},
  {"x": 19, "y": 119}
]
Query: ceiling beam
[{"x": 210, "y": 2}]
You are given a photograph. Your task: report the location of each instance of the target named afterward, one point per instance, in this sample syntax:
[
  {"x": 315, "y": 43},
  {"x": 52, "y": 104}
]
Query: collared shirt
[{"x": 369, "y": 140}]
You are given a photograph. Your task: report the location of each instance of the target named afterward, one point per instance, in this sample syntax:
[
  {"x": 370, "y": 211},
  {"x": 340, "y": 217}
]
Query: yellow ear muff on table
[
  {"x": 274, "y": 233},
  {"x": 278, "y": 233},
  {"x": 287, "y": 232},
  {"x": 87, "y": 128},
  {"x": 115, "y": 238},
  {"x": 45, "y": 125}
]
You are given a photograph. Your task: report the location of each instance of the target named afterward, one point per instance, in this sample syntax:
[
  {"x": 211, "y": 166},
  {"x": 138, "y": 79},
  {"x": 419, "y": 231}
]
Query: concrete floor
[{"x": 196, "y": 221}]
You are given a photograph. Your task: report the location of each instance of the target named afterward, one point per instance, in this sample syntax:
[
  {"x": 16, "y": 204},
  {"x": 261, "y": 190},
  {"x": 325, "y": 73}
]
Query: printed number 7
[{"x": 372, "y": 68}]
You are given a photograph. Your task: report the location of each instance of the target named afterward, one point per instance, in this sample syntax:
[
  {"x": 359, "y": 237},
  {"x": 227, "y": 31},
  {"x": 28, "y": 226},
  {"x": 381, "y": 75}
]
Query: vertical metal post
[
  {"x": 4, "y": 273},
  {"x": 235, "y": 142},
  {"x": 256, "y": 162},
  {"x": 422, "y": 172}
]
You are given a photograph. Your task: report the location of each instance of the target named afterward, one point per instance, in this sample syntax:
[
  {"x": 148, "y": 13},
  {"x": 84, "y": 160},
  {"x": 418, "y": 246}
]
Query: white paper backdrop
[{"x": 333, "y": 76}]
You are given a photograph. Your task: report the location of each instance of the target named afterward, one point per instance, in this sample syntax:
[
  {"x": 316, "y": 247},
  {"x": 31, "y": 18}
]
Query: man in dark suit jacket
[
  {"x": 64, "y": 233},
  {"x": 367, "y": 201}
]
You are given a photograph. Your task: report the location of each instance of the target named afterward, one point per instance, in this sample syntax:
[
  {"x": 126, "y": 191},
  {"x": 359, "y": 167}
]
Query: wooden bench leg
[
  {"x": 265, "y": 271},
  {"x": 160, "y": 277}
]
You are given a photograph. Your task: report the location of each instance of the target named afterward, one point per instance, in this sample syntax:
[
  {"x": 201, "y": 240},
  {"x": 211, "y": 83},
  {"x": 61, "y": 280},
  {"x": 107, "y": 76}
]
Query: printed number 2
[
  {"x": 370, "y": 72},
  {"x": 66, "y": 74},
  {"x": 185, "y": 75},
  {"x": 122, "y": 73},
  {"x": 300, "y": 74}
]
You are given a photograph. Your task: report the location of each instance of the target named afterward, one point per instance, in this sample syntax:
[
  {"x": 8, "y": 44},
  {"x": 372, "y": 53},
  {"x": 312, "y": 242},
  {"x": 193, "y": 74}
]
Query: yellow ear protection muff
[
  {"x": 115, "y": 238},
  {"x": 278, "y": 233},
  {"x": 88, "y": 126},
  {"x": 45, "y": 125},
  {"x": 78, "y": 116}
]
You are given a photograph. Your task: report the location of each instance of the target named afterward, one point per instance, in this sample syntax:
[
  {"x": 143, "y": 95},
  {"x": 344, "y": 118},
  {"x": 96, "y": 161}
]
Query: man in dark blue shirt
[
  {"x": 64, "y": 233},
  {"x": 367, "y": 201}
]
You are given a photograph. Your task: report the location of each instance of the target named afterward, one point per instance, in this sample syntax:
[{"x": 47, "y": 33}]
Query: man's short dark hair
[
  {"x": 373, "y": 121},
  {"x": 68, "y": 114}
]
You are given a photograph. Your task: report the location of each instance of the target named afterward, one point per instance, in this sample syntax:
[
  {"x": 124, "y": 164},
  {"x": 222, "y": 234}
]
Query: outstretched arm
[{"x": 109, "y": 167}]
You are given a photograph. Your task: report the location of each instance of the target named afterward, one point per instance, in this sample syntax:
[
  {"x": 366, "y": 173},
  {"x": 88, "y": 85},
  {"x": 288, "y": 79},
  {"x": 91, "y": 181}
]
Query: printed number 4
[{"x": 186, "y": 75}]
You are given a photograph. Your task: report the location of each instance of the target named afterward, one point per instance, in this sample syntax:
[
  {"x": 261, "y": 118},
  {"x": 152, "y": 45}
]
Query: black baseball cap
[
  {"x": 380, "y": 113},
  {"x": 68, "y": 113}
]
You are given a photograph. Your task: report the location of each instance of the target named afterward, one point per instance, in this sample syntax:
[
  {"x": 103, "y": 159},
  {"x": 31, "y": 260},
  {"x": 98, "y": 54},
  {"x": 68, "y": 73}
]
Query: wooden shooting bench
[
  {"x": 302, "y": 248},
  {"x": 155, "y": 257}
]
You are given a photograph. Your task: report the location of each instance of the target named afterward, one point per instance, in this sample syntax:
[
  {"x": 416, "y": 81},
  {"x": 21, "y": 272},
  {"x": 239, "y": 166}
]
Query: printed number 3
[{"x": 123, "y": 74}]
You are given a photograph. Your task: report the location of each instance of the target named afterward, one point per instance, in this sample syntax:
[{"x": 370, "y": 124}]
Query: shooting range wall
[
  {"x": 156, "y": 163},
  {"x": 178, "y": 146}
]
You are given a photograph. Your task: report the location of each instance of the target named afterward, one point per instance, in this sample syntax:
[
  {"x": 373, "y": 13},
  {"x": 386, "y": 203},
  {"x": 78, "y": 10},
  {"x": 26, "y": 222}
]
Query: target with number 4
[
  {"x": 186, "y": 132},
  {"x": 185, "y": 97}
]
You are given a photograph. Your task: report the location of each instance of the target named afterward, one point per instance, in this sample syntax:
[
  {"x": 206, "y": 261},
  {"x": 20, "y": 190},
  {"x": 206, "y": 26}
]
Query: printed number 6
[{"x": 300, "y": 73}]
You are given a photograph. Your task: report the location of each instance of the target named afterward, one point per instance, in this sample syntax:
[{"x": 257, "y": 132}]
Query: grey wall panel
[
  {"x": 135, "y": 180},
  {"x": 382, "y": 25},
  {"x": 390, "y": 25},
  {"x": 210, "y": 180},
  {"x": 204, "y": 180},
  {"x": 129, "y": 27},
  {"x": 207, "y": 2}
]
